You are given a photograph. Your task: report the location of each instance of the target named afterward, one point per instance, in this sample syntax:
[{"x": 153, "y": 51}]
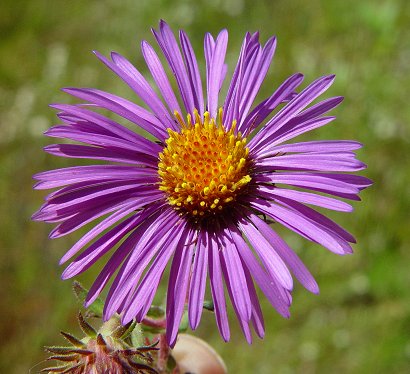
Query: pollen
[{"x": 204, "y": 167}]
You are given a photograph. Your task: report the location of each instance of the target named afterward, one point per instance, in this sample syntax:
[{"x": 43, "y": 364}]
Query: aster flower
[{"x": 197, "y": 190}]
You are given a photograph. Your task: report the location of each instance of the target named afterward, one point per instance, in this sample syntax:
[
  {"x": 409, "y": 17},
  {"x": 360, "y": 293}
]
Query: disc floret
[{"x": 204, "y": 167}]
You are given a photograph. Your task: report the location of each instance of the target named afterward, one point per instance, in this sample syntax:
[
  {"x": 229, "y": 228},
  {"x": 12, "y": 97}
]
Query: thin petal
[
  {"x": 198, "y": 282},
  {"x": 299, "y": 224},
  {"x": 123, "y": 108},
  {"x": 309, "y": 94},
  {"x": 214, "y": 69},
  {"x": 217, "y": 287},
  {"x": 285, "y": 252},
  {"x": 270, "y": 259},
  {"x": 161, "y": 79},
  {"x": 264, "y": 281},
  {"x": 177, "y": 288},
  {"x": 193, "y": 71},
  {"x": 170, "y": 48}
]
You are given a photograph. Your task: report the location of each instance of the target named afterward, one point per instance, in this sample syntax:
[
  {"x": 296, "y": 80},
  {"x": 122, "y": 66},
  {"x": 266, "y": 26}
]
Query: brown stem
[
  {"x": 163, "y": 353},
  {"x": 156, "y": 323}
]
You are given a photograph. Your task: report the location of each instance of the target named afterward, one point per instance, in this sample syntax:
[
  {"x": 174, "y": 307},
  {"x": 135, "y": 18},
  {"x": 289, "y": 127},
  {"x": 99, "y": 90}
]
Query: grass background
[{"x": 360, "y": 322}]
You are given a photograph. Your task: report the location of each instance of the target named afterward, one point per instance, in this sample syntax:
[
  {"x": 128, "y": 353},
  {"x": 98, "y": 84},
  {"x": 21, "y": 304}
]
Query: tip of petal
[
  {"x": 163, "y": 25},
  {"x": 313, "y": 287},
  {"x": 35, "y": 216},
  {"x": 126, "y": 318},
  {"x": 67, "y": 273},
  {"x": 55, "y": 105},
  {"x": 339, "y": 99},
  {"x": 193, "y": 322},
  {"x": 56, "y": 233},
  {"x": 87, "y": 303}
]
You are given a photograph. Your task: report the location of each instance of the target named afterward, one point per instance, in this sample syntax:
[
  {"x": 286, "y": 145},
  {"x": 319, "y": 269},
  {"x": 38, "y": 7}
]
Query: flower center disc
[{"x": 203, "y": 167}]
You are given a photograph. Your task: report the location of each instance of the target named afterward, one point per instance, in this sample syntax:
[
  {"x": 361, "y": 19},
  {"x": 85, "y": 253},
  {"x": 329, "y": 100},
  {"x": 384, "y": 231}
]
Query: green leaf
[
  {"x": 183, "y": 326},
  {"x": 171, "y": 363},
  {"x": 156, "y": 312}
]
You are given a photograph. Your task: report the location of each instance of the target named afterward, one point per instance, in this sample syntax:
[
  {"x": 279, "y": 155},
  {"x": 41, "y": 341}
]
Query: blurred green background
[{"x": 360, "y": 322}]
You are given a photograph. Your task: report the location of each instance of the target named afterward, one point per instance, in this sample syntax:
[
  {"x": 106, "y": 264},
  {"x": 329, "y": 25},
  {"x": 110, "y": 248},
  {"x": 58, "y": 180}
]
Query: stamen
[{"x": 203, "y": 167}]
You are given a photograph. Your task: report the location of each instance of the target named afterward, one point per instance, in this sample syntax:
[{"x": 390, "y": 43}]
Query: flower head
[
  {"x": 197, "y": 190},
  {"x": 104, "y": 351}
]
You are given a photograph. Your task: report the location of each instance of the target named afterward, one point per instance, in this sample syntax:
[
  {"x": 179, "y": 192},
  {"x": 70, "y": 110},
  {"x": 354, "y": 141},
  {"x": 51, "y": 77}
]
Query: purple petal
[
  {"x": 100, "y": 247},
  {"x": 310, "y": 93},
  {"x": 299, "y": 224},
  {"x": 317, "y": 218},
  {"x": 81, "y": 219},
  {"x": 308, "y": 198},
  {"x": 131, "y": 76},
  {"x": 123, "y": 108},
  {"x": 76, "y": 174},
  {"x": 338, "y": 161},
  {"x": 93, "y": 139},
  {"x": 217, "y": 287},
  {"x": 198, "y": 282},
  {"x": 257, "y": 317},
  {"x": 101, "y": 153},
  {"x": 156, "y": 231},
  {"x": 166, "y": 40},
  {"x": 138, "y": 305},
  {"x": 161, "y": 79},
  {"x": 302, "y": 274},
  {"x": 110, "y": 268},
  {"x": 270, "y": 259},
  {"x": 325, "y": 182},
  {"x": 235, "y": 280},
  {"x": 214, "y": 69},
  {"x": 78, "y": 114},
  {"x": 293, "y": 129},
  {"x": 100, "y": 227},
  {"x": 258, "y": 115},
  {"x": 320, "y": 146},
  {"x": 237, "y": 286},
  {"x": 255, "y": 79},
  {"x": 193, "y": 71},
  {"x": 264, "y": 281},
  {"x": 232, "y": 100},
  {"x": 177, "y": 288}
]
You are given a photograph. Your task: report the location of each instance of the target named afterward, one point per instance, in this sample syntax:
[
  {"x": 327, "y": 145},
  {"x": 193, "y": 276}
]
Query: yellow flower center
[{"x": 203, "y": 167}]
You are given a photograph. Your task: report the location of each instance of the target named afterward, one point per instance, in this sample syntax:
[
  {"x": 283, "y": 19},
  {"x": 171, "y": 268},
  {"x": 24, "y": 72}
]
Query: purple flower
[{"x": 198, "y": 191}]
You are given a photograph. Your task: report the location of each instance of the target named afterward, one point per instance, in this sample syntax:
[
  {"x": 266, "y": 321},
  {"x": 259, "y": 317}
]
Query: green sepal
[
  {"x": 142, "y": 368},
  {"x": 55, "y": 369},
  {"x": 137, "y": 336},
  {"x": 122, "y": 332},
  {"x": 61, "y": 369},
  {"x": 64, "y": 351},
  {"x": 209, "y": 305},
  {"x": 96, "y": 308},
  {"x": 86, "y": 327},
  {"x": 68, "y": 358},
  {"x": 73, "y": 340}
]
